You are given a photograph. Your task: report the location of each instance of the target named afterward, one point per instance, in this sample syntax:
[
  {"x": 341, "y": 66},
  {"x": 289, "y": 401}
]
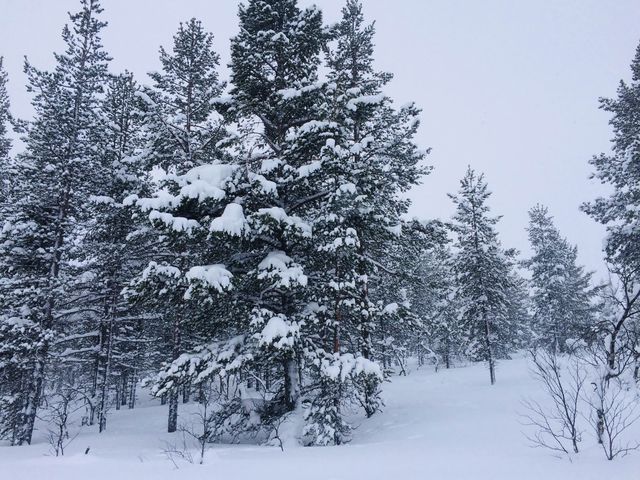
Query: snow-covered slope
[{"x": 437, "y": 426}]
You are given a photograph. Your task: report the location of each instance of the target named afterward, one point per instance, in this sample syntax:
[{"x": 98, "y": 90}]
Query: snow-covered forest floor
[{"x": 446, "y": 425}]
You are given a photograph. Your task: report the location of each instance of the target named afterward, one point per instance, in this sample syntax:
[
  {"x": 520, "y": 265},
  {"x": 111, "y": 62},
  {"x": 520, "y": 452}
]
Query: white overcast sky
[{"x": 507, "y": 86}]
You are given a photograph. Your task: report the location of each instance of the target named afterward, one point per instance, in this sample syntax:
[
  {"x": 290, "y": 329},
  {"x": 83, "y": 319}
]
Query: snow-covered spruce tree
[
  {"x": 483, "y": 271},
  {"x": 184, "y": 136},
  {"x": 519, "y": 333},
  {"x": 50, "y": 198},
  {"x": 561, "y": 296}
]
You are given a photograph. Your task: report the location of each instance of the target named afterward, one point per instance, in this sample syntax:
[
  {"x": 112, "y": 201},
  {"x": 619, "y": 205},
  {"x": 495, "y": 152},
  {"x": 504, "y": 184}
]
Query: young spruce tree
[
  {"x": 484, "y": 276},
  {"x": 561, "y": 295}
]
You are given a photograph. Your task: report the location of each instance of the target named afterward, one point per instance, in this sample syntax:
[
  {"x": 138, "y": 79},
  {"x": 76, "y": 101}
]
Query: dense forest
[{"x": 247, "y": 246}]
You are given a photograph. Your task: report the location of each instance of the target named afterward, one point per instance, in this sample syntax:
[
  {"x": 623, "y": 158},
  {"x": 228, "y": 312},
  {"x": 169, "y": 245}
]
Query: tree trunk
[
  {"x": 186, "y": 392},
  {"x": 104, "y": 393},
  {"x": 118, "y": 394},
  {"x": 489, "y": 347},
  {"x": 132, "y": 389},
  {"x": 172, "y": 424},
  {"x": 124, "y": 392},
  {"x": 447, "y": 353},
  {"x": 34, "y": 395},
  {"x": 291, "y": 385}
]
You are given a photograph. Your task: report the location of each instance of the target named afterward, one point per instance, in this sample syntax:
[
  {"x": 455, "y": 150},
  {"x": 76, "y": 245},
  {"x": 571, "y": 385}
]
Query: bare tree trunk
[
  {"x": 104, "y": 393},
  {"x": 489, "y": 347},
  {"x": 93, "y": 389},
  {"x": 186, "y": 392},
  {"x": 291, "y": 385},
  {"x": 118, "y": 393},
  {"x": 34, "y": 395},
  {"x": 174, "y": 393},
  {"x": 172, "y": 424},
  {"x": 447, "y": 353},
  {"x": 124, "y": 392},
  {"x": 132, "y": 389}
]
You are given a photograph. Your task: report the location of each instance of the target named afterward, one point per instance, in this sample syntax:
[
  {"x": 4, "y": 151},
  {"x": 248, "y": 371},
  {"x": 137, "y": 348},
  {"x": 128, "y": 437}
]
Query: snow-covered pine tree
[
  {"x": 5, "y": 142},
  {"x": 277, "y": 102},
  {"x": 185, "y": 134},
  {"x": 620, "y": 213},
  {"x": 482, "y": 270},
  {"x": 7, "y": 173},
  {"x": 518, "y": 331},
  {"x": 369, "y": 159},
  {"x": 114, "y": 250},
  {"x": 562, "y": 298},
  {"x": 12, "y": 362},
  {"x": 50, "y": 198},
  {"x": 436, "y": 304},
  {"x": 398, "y": 290},
  {"x": 185, "y": 127},
  {"x": 243, "y": 225}
]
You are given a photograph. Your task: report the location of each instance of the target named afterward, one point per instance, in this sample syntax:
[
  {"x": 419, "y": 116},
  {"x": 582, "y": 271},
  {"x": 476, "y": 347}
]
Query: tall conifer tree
[
  {"x": 184, "y": 134},
  {"x": 114, "y": 250},
  {"x": 6, "y": 170},
  {"x": 368, "y": 160},
  {"x": 274, "y": 64},
  {"x": 5, "y": 142},
  {"x": 51, "y": 198},
  {"x": 620, "y": 213}
]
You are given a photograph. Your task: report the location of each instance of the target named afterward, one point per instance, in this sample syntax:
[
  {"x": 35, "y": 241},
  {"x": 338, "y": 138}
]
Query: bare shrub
[
  {"x": 178, "y": 451},
  {"x": 556, "y": 425},
  {"x": 61, "y": 405},
  {"x": 613, "y": 409}
]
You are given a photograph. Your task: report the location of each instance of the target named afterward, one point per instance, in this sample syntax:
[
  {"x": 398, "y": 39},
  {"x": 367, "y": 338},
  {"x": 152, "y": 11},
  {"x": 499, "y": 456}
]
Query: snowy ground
[{"x": 449, "y": 425}]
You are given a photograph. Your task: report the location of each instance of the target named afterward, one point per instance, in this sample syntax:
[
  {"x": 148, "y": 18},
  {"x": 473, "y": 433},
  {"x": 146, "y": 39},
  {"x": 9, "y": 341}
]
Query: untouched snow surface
[{"x": 450, "y": 425}]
